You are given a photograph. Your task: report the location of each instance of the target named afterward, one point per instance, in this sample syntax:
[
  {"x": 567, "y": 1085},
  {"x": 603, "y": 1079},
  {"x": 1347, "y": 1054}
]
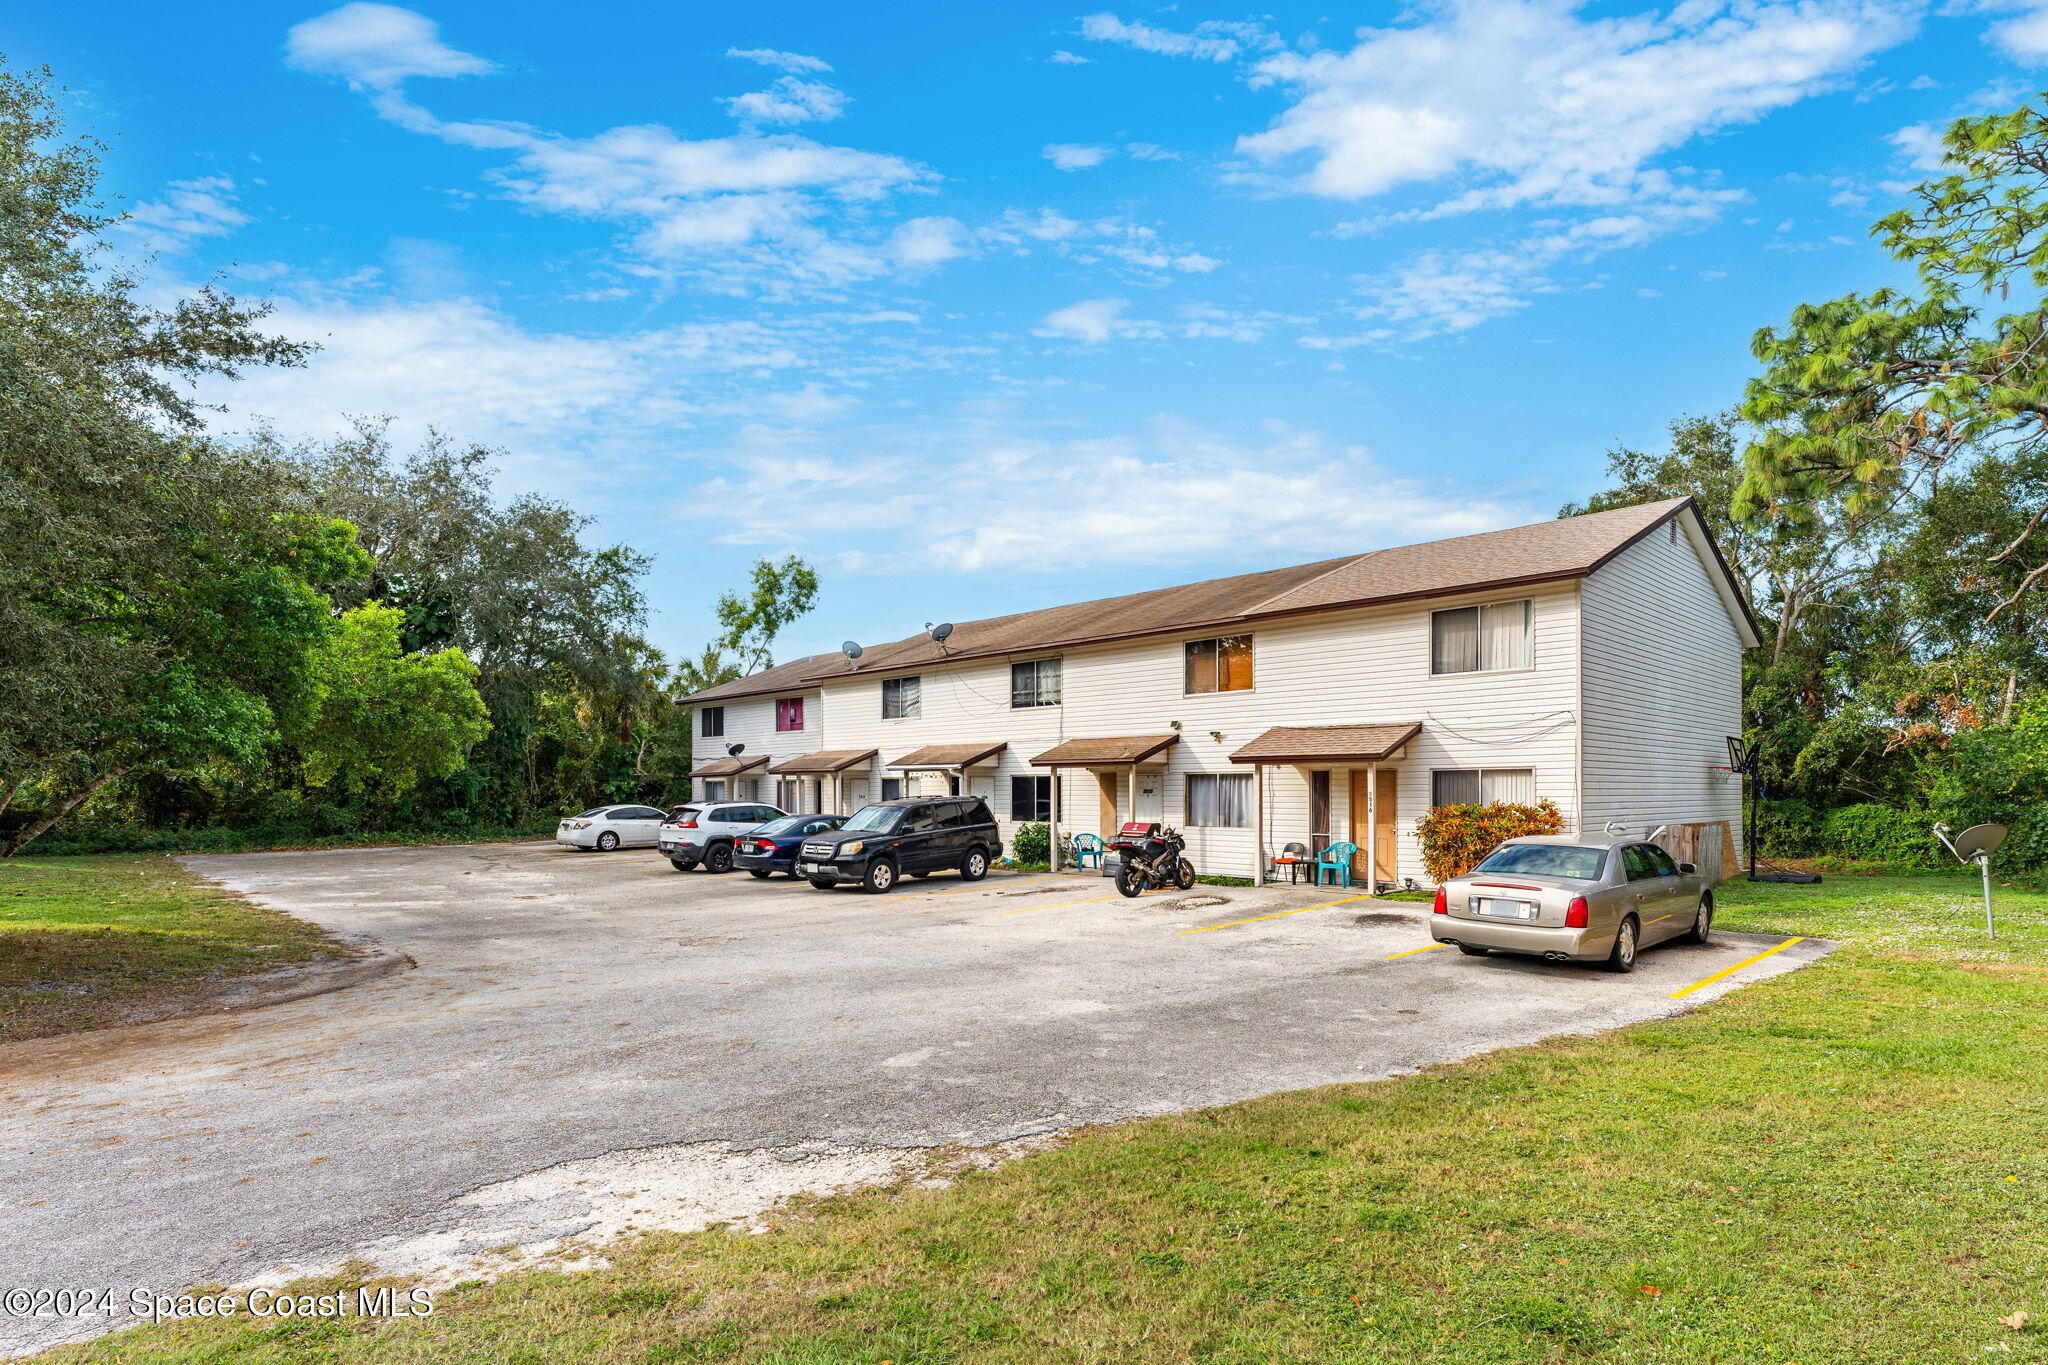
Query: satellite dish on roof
[
  {"x": 1977, "y": 839},
  {"x": 735, "y": 750},
  {"x": 941, "y": 631},
  {"x": 851, "y": 650}
]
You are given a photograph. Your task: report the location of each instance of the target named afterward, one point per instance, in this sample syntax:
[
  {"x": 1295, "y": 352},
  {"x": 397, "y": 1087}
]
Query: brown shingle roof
[
  {"x": 726, "y": 767},
  {"x": 784, "y": 678},
  {"x": 823, "y": 761},
  {"x": 1551, "y": 550},
  {"x": 950, "y": 755},
  {"x": 1327, "y": 743},
  {"x": 1085, "y": 753}
]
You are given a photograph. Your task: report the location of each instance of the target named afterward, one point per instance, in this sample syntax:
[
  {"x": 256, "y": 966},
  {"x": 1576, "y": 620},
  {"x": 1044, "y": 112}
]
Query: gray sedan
[{"x": 1574, "y": 900}]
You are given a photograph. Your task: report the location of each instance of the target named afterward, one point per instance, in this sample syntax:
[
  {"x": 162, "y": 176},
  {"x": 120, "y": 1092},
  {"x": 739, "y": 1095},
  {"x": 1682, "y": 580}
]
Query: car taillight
[
  {"x": 1443, "y": 902},
  {"x": 1578, "y": 914},
  {"x": 686, "y": 824}
]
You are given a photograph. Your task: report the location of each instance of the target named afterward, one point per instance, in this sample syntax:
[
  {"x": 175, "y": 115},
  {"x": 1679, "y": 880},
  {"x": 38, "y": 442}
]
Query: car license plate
[
  {"x": 810, "y": 868},
  {"x": 1500, "y": 909}
]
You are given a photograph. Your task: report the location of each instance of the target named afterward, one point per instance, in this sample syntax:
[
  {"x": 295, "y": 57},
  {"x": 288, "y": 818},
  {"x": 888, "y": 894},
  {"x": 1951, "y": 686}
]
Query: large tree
[{"x": 154, "y": 603}]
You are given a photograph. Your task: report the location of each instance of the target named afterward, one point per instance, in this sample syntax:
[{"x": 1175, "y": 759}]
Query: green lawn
[
  {"x": 83, "y": 940},
  {"x": 1845, "y": 1164}
]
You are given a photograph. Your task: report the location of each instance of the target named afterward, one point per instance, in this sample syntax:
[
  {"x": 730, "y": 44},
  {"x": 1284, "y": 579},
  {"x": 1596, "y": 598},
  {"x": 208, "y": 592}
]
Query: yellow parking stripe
[
  {"x": 1412, "y": 952},
  {"x": 1277, "y": 914},
  {"x": 1746, "y": 962},
  {"x": 1025, "y": 910}
]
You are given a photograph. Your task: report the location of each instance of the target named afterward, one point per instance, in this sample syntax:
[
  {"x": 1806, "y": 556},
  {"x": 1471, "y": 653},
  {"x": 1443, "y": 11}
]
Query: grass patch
[
  {"x": 1844, "y": 1164},
  {"x": 83, "y": 941}
]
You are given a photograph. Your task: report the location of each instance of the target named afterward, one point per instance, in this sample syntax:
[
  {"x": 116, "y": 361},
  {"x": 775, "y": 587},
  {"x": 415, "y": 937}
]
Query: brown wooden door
[
  {"x": 1107, "y": 783},
  {"x": 1319, "y": 811},
  {"x": 1381, "y": 839}
]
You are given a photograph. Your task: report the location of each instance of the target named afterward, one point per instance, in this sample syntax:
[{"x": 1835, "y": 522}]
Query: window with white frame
[
  {"x": 1220, "y": 665},
  {"x": 714, "y": 721},
  {"x": 1220, "y": 800},
  {"x": 902, "y": 698},
  {"x": 1482, "y": 786},
  {"x": 1036, "y": 683},
  {"x": 1486, "y": 639}
]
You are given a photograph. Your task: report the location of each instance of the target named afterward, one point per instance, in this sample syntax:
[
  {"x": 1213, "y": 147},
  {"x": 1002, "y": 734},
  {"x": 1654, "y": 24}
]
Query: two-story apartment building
[{"x": 1594, "y": 661}]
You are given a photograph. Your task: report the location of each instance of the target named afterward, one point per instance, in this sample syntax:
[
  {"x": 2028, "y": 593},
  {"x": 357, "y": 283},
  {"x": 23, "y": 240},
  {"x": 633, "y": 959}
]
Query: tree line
[
  {"x": 294, "y": 641},
  {"x": 1880, "y": 489}
]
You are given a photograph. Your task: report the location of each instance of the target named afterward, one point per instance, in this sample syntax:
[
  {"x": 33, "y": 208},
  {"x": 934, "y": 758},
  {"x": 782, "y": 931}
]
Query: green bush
[
  {"x": 1882, "y": 834},
  {"x": 1790, "y": 828},
  {"x": 1031, "y": 843}
]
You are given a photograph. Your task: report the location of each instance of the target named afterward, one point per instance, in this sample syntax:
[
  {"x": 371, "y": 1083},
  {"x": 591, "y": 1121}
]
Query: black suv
[{"x": 883, "y": 842}]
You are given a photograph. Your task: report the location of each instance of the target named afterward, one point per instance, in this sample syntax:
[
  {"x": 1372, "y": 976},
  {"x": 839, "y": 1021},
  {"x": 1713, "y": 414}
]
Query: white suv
[{"x": 703, "y": 831}]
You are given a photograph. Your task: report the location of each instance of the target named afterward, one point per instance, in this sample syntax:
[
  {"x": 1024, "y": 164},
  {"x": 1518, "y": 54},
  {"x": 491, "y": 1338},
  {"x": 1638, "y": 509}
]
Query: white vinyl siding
[{"x": 1663, "y": 690}]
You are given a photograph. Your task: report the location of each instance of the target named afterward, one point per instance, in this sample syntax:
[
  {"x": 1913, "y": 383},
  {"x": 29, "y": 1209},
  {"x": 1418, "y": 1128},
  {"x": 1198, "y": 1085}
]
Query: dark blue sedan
[{"x": 772, "y": 847}]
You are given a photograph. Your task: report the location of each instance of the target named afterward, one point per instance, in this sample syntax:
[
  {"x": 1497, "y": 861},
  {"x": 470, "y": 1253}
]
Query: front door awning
[
  {"x": 1104, "y": 753},
  {"x": 823, "y": 762},
  {"x": 728, "y": 767},
  {"x": 949, "y": 756},
  {"x": 1328, "y": 744}
]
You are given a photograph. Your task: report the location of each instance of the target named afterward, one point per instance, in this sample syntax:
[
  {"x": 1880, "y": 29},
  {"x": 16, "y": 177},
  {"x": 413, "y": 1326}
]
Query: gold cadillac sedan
[{"x": 1574, "y": 900}]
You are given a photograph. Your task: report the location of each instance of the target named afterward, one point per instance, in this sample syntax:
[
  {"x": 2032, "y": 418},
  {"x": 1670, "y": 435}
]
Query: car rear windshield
[
  {"x": 684, "y": 813},
  {"x": 593, "y": 814},
  {"x": 788, "y": 824},
  {"x": 880, "y": 819},
  {"x": 1546, "y": 860}
]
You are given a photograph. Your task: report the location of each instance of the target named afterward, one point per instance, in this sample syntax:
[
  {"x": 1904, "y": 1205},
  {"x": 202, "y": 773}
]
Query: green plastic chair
[
  {"x": 1336, "y": 861},
  {"x": 1088, "y": 846}
]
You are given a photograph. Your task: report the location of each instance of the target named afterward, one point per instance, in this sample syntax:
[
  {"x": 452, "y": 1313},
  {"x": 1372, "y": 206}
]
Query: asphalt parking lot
[{"x": 565, "y": 1006}]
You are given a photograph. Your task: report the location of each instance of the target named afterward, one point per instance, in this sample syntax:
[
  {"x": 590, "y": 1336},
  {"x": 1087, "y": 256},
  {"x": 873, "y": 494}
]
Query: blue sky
[{"x": 991, "y": 307}]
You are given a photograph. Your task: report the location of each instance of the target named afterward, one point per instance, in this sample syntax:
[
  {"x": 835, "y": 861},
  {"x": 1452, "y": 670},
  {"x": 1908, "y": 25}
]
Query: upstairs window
[
  {"x": 902, "y": 698},
  {"x": 1035, "y": 684},
  {"x": 1220, "y": 665},
  {"x": 789, "y": 713},
  {"x": 1486, "y": 639},
  {"x": 714, "y": 721}
]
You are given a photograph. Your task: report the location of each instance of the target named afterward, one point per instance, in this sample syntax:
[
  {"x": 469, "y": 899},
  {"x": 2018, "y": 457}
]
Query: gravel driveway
[{"x": 577, "y": 1008}]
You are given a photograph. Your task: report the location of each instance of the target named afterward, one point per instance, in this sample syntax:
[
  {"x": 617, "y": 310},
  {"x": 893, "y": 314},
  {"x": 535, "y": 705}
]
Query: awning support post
[
  {"x": 1053, "y": 831},
  {"x": 1372, "y": 828},
  {"x": 1258, "y": 824}
]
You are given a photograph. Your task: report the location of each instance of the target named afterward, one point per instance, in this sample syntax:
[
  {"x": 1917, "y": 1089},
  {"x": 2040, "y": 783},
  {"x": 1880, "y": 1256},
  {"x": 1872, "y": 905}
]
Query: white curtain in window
[
  {"x": 1504, "y": 633},
  {"x": 1454, "y": 640},
  {"x": 1219, "y": 801},
  {"x": 1516, "y": 785}
]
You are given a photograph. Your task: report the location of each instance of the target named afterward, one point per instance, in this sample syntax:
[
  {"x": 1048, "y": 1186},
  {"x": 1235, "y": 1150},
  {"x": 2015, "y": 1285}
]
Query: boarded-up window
[{"x": 1221, "y": 665}]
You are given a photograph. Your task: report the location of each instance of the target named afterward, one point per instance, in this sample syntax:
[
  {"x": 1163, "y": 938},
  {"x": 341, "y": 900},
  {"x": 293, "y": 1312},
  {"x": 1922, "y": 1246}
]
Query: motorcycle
[{"x": 1149, "y": 857}]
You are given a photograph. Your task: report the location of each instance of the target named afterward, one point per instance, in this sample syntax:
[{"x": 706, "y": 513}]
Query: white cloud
[
  {"x": 1118, "y": 243},
  {"x": 1527, "y": 102},
  {"x": 1316, "y": 497},
  {"x": 2022, "y": 36},
  {"x": 789, "y": 100},
  {"x": 783, "y": 61},
  {"x": 1062, "y": 57},
  {"x": 1091, "y": 320},
  {"x": 1150, "y": 151},
  {"x": 1075, "y": 156},
  {"x": 376, "y": 47},
  {"x": 929, "y": 241},
  {"x": 1920, "y": 145},
  {"x": 1211, "y": 41},
  {"x": 188, "y": 211},
  {"x": 774, "y": 212}
]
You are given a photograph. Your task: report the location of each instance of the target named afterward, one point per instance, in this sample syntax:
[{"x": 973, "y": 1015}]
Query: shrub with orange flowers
[{"x": 1455, "y": 838}]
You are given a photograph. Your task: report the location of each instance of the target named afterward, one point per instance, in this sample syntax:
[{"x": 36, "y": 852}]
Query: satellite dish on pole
[
  {"x": 735, "y": 750},
  {"x": 1979, "y": 840},
  {"x": 941, "y": 631},
  {"x": 1976, "y": 845}
]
